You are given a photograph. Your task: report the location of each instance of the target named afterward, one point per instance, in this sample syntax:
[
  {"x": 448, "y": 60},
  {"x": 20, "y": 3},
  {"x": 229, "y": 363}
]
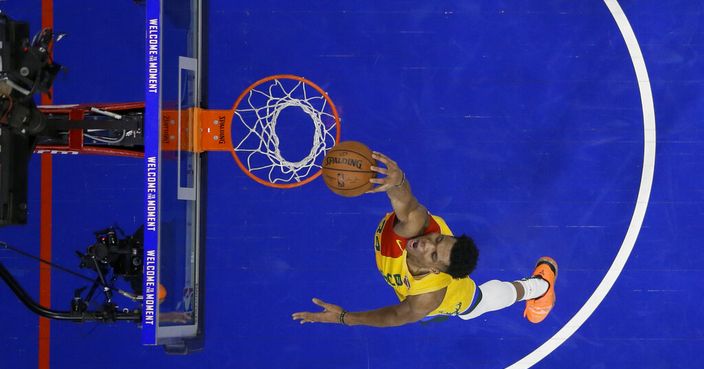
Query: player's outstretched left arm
[{"x": 411, "y": 310}]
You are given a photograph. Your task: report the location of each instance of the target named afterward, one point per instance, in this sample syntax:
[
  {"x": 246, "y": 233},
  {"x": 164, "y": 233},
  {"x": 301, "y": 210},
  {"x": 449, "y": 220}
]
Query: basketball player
[{"x": 429, "y": 268}]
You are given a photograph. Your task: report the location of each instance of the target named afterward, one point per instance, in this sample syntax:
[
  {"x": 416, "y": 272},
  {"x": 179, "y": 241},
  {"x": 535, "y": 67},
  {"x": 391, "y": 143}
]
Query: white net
[{"x": 259, "y": 150}]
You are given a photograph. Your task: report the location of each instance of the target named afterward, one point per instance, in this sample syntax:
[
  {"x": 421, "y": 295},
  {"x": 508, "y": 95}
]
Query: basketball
[
  {"x": 346, "y": 169},
  {"x": 162, "y": 292}
]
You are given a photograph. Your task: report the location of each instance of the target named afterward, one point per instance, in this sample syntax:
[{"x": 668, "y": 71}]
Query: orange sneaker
[{"x": 538, "y": 308}]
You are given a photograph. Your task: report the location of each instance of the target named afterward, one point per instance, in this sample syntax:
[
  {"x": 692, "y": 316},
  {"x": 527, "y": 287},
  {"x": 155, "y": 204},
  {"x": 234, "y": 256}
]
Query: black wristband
[{"x": 342, "y": 317}]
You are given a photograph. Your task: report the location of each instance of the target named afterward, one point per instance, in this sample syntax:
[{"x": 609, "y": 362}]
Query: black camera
[
  {"x": 121, "y": 256},
  {"x": 26, "y": 68}
]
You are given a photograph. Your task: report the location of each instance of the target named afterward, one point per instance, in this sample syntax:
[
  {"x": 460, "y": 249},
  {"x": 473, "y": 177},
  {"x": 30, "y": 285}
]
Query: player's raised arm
[
  {"x": 410, "y": 213},
  {"x": 410, "y": 310}
]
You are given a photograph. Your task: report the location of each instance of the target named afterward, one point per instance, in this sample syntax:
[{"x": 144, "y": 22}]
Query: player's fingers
[
  {"x": 300, "y": 318},
  {"x": 380, "y": 181},
  {"x": 380, "y": 157},
  {"x": 383, "y": 158},
  {"x": 378, "y": 170},
  {"x": 375, "y": 190},
  {"x": 303, "y": 316},
  {"x": 321, "y": 303}
]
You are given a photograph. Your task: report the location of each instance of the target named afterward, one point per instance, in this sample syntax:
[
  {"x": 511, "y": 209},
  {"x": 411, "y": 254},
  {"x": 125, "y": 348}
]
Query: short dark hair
[{"x": 463, "y": 257}]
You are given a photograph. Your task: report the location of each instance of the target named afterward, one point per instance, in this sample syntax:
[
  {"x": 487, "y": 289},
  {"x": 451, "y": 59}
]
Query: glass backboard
[{"x": 174, "y": 180}]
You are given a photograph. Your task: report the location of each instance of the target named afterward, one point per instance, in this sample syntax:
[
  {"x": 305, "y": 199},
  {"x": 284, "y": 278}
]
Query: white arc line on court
[{"x": 646, "y": 183}]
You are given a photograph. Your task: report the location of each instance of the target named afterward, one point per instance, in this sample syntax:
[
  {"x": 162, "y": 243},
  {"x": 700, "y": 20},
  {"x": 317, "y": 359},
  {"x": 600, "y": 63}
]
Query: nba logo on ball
[
  {"x": 346, "y": 168},
  {"x": 340, "y": 180}
]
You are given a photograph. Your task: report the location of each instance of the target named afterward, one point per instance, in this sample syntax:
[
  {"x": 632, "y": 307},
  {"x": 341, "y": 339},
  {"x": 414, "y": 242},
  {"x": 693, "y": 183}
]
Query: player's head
[
  {"x": 463, "y": 258},
  {"x": 435, "y": 252}
]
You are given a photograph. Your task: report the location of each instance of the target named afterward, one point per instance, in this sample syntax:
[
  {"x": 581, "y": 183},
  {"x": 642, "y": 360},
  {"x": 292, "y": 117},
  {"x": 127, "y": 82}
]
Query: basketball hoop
[{"x": 255, "y": 141}]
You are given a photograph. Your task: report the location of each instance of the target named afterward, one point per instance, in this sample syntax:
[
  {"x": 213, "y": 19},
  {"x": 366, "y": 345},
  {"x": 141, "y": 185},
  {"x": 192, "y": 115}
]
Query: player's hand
[
  {"x": 393, "y": 174},
  {"x": 330, "y": 314}
]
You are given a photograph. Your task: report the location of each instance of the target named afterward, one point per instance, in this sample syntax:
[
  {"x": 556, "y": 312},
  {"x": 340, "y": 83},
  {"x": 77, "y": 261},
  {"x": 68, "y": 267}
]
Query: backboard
[{"x": 173, "y": 206}]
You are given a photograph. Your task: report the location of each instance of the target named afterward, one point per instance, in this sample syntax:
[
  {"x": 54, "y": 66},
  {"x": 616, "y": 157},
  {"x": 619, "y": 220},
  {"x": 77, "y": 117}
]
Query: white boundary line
[{"x": 646, "y": 183}]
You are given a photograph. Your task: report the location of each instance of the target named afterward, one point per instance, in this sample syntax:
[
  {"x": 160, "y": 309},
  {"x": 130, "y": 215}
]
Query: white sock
[
  {"x": 533, "y": 287},
  {"x": 496, "y": 295}
]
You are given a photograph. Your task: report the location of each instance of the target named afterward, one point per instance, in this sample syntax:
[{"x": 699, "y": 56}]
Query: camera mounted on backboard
[
  {"x": 26, "y": 68},
  {"x": 116, "y": 256}
]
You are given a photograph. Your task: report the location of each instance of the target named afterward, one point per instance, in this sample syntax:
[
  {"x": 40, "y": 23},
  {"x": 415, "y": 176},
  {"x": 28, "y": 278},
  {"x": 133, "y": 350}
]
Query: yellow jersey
[{"x": 390, "y": 253}]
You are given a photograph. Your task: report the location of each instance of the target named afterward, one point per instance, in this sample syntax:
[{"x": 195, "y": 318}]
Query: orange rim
[{"x": 245, "y": 93}]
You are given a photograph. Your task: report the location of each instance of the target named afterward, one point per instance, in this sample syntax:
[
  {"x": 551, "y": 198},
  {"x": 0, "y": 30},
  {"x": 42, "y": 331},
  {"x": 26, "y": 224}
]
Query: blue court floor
[{"x": 527, "y": 125}]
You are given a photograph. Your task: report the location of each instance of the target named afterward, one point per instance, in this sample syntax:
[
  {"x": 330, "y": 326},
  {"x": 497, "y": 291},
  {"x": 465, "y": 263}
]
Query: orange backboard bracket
[
  {"x": 215, "y": 130},
  {"x": 200, "y": 130}
]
